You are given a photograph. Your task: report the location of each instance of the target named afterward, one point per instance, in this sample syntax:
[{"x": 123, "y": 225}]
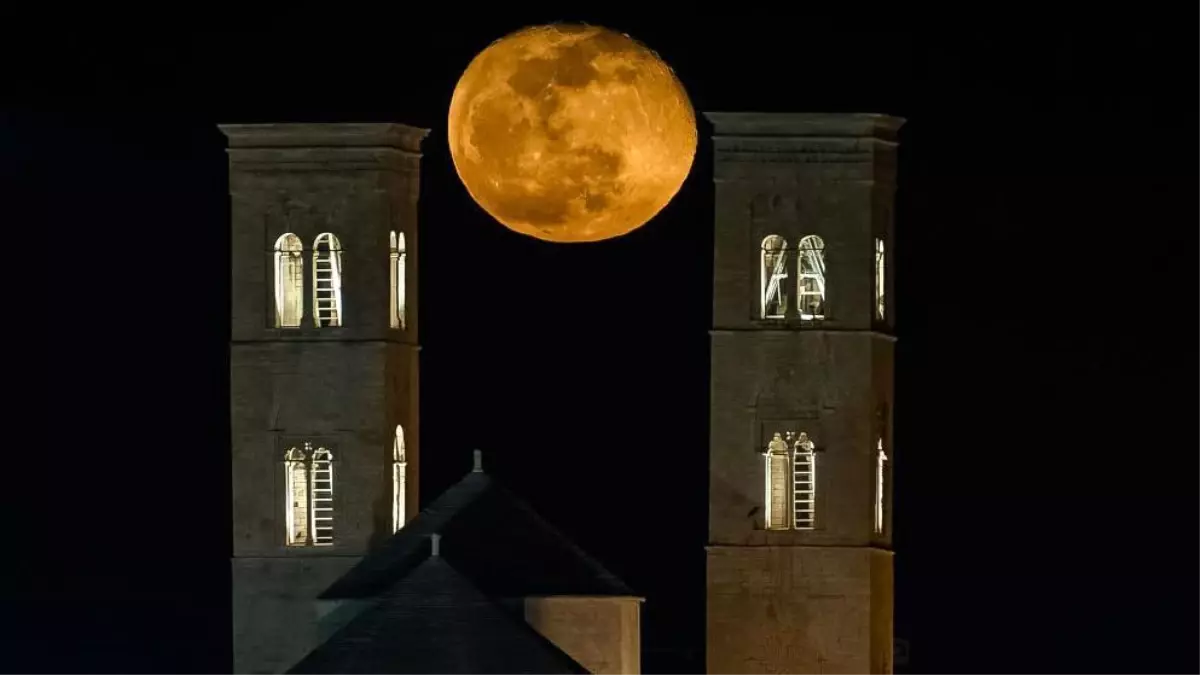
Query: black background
[{"x": 1046, "y": 240}]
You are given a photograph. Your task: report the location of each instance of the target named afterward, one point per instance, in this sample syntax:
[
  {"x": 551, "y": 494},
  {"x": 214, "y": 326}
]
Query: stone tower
[
  {"x": 799, "y": 567},
  {"x": 323, "y": 366}
]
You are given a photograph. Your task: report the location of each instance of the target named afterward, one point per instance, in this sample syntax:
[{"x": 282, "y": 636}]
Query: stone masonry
[
  {"x": 346, "y": 388},
  {"x": 820, "y": 600}
]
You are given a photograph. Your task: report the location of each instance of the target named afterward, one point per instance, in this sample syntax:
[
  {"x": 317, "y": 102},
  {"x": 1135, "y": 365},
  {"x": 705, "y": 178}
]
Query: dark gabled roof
[
  {"x": 405, "y": 549},
  {"x": 435, "y": 621},
  {"x": 493, "y": 538}
]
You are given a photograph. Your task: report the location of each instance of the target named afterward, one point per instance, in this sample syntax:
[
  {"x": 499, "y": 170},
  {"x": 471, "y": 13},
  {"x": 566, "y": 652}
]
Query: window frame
[
  {"x": 304, "y": 453},
  {"x": 334, "y": 253},
  {"x": 399, "y": 479},
  {"x": 821, "y": 277},
  {"x": 779, "y": 274},
  {"x": 398, "y": 280},
  {"x": 280, "y": 297}
]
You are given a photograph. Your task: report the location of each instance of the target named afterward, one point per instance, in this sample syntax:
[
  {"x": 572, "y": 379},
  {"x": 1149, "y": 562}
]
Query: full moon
[{"x": 571, "y": 133}]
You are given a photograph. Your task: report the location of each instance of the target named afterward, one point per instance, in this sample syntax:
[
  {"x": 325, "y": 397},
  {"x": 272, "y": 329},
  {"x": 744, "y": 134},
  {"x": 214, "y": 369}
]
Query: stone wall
[
  {"x": 812, "y": 600},
  {"x": 344, "y": 387},
  {"x": 603, "y": 634},
  {"x": 275, "y": 620},
  {"x": 821, "y": 383},
  {"x": 793, "y": 609}
]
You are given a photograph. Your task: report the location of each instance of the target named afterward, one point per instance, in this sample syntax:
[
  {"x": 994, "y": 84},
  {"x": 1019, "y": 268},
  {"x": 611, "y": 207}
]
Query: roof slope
[
  {"x": 493, "y": 538},
  {"x": 435, "y": 621}
]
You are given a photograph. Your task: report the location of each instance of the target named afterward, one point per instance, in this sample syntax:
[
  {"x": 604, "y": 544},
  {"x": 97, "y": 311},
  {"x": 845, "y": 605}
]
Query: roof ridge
[
  {"x": 318, "y": 659},
  {"x": 455, "y": 513}
]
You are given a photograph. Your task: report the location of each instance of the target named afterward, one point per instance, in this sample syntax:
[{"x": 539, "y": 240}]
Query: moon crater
[{"x": 571, "y": 133}]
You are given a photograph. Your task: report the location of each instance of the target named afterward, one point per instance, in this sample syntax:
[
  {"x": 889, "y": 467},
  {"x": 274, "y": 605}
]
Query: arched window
[
  {"x": 308, "y": 475},
  {"x": 811, "y": 279},
  {"x": 778, "y": 474},
  {"x": 327, "y": 280},
  {"x": 881, "y": 459},
  {"x": 289, "y": 281},
  {"x": 804, "y": 487},
  {"x": 322, "y": 497},
  {"x": 398, "y": 259},
  {"x": 880, "y": 280},
  {"x": 296, "y": 479},
  {"x": 773, "y": 277},
  {"x": 399, "y": 479}
]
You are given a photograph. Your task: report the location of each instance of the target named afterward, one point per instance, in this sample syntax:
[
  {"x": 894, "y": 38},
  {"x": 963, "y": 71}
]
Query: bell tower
[
  {"x": 323, "y": 359},
  {"x": 799, "y": 566}
]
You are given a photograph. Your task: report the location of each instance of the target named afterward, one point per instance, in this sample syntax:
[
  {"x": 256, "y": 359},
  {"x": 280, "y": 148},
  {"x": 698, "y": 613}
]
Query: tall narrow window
[
  {"x": 880, "y": 280},
  {"x": 308, "y": 475},
  {"x": 811, "y": 286},
  {"x": 881, "y": 459},
  {"x": 778, "y": 473},
  {"x": 773, "y": 277},
  {"x": 296, "y": 463},
  {"x": 399, "y": 479},
  {"x": 322, "y": 497},
  {"x": 804, "y": 477},
  {"x": 398, "y": 256},
  {"x": 289, "y": 281},
  {"x": 327, "y": 280}
]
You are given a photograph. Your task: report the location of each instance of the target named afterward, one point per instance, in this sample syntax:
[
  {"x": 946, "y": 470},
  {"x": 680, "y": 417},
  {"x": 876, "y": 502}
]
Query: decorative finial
[
  {"x": 478, "y": 462},
  {"x": 435, "y": 542}
]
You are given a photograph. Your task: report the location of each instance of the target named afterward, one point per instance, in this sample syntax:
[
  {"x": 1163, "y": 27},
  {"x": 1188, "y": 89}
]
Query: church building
[{"x": 334, "y": 569}]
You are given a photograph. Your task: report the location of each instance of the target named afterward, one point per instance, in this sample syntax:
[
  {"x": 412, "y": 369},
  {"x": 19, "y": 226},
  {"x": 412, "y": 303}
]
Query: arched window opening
[
  {"x": 308, "y": 474},
  {"x": 327, "y": 281},
  {"x": 778, "y": 472},
  {"x": 399, "y": 480},
  {"x": 289, "y": 281},
  {"x": 881, "y": 459},
  {"x": 773, "y": 277},
  {"x": 804, "y": 488},
  {"x": 322, "y": 497},
  {"x": 399, "y": 255},
  {"x": 880, "y": 280},
  {"x": 811, "y": 286},
  {"x": 296, "y": 479}
]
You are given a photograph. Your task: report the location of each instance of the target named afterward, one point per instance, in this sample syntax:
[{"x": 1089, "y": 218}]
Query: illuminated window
[
  {"x": 399, "y": 478},
  {"x": 296, "y": 472},
  {"x": 308, "y": 475},
  {"x": 804, "y": 485},
  {"x": 778, "y": 474},
  {"x": 327, "y": 280},
  {"x": 880, "y": 280},
  {"x": 811, "y": 279},
  {"x": 773, "y": 277},
  {"x": 398, "y": 256},
  {"x": 881, "y": 459},
  {"x": 289, "y": 281}
]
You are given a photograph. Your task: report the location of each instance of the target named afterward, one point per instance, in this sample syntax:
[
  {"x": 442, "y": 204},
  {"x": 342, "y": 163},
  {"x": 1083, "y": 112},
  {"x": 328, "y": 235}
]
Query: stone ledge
[
  {"x": 335, "y": 135},
  {"x": 789, "y": 125}
]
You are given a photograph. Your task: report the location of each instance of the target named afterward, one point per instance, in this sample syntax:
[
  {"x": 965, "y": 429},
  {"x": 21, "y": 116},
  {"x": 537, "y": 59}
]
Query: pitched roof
[
  {"x": 435, "y": 621},
  {"x": 493, "y": 538}
]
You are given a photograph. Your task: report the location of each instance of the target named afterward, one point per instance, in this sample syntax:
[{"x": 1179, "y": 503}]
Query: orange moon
[{"x": 571, "y": 133}]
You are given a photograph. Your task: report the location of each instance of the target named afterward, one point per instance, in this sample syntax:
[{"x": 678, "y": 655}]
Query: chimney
[
  {"x": 478, "y": 462},
  {"x": 435, "y": 544}
]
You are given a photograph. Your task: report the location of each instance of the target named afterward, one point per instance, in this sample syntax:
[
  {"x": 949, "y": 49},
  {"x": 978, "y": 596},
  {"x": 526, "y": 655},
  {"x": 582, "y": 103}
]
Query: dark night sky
[{"x": 1046, "y": 496}]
